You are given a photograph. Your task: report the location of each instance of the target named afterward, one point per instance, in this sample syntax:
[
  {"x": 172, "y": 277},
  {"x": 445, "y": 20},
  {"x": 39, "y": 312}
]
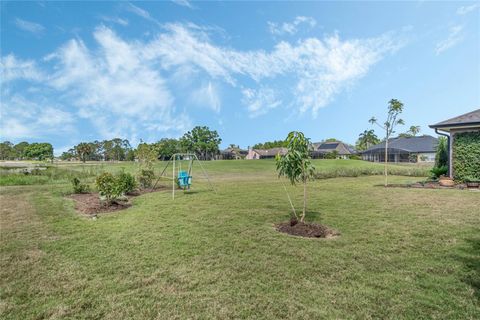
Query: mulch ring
[
  {"x": 91, "y": 205},
  {"x": 307, "y": 230}
]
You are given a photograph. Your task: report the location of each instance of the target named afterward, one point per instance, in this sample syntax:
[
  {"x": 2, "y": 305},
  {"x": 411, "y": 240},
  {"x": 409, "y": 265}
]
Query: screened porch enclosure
[{"x": 394, "y": 155}]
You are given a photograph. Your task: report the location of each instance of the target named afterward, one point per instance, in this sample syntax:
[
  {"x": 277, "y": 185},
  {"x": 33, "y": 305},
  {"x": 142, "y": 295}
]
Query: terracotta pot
[{"x": 446, "y": 182}]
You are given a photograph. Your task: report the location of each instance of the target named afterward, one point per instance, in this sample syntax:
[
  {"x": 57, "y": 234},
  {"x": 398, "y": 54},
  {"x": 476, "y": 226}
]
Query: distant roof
[
  {"x": 467, "y": 119},
  {"x": 271, "y": 152},
  {"x": 410, "y": 144},
  {"x": 326, "y": 147}
]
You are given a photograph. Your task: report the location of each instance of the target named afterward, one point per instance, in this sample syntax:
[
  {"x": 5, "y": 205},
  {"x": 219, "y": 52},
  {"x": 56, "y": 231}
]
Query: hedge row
[{"x": 466, "y": 156}]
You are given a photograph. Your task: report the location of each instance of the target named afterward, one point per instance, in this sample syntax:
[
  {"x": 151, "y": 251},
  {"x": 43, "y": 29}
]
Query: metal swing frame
[{"x": 192, "y": 157}]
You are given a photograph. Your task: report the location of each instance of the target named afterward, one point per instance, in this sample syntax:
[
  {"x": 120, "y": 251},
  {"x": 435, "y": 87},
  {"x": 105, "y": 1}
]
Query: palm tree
[
  {"x": 414, "y": 130},
  {"x": 83, "y": 150},
  {"x": 366, "y": 139}
]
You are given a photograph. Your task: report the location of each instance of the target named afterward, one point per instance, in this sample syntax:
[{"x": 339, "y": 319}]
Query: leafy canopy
[{"x": 296, "y": 164}]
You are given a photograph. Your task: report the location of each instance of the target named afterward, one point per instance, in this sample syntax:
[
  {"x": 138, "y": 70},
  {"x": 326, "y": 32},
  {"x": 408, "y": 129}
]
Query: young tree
[
  {"x": 296, "y": 164},
  {"x": 395, "y": 108}
]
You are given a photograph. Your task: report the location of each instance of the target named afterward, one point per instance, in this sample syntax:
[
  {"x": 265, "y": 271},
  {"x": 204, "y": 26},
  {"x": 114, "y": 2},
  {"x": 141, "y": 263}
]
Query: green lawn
[{"x": 402, "y": 253}]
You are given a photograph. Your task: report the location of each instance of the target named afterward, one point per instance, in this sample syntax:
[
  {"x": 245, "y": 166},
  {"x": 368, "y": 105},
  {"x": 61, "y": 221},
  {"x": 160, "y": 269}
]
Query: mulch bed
[
  {"x": 308, "y": 230},
  {"x": 90, "y": 203},
  {"x": 425, "y": 185}
]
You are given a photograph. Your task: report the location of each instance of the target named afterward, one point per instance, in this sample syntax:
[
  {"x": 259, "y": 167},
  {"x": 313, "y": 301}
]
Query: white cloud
[
  {"x": 23, "y": 118},
  {"x": 120, "y": 86},
  {"x": 467, "y": 9},
  {"x": 13, "y": 68},
  {"x": 260, "y": 101},
  {"x": 117, "y": 20},
  {"x": 114, "y": 87},
  {"x": 29, "y": 26},
  {"x": 207, "y": 96},
  {"x": 140, "y": 12},
  {"x": 291, "y": 27},
  {"x": 321, "y": 68},
  {"x": 454, "y": 37},
  {"x": 184, "y": 3}
]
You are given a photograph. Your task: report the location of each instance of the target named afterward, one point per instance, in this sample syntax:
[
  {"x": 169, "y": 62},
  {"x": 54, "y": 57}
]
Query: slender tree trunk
[
  {"x": 304, "y": 199},
  {"x": 386, "y": 161}
]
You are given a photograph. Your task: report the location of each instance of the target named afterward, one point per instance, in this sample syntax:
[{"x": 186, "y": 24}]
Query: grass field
[{"x": 402, "y": 253}]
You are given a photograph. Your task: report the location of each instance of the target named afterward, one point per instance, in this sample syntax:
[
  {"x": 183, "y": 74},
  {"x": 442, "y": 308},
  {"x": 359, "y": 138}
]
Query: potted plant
[
  {"x": 446, "y": 181},
  {"x": 472, "y": 182}
]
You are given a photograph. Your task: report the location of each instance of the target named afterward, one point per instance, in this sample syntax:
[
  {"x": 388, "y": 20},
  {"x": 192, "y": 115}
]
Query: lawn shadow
[{"x": 470, "y": 257}]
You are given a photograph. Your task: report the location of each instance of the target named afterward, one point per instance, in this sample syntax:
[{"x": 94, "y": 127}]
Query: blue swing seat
[{"x": 184, "y": 180}]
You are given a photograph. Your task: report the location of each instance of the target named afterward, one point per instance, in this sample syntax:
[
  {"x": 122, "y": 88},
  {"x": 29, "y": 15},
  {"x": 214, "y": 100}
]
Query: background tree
[
  {"x": 296, "y": 164},
  {"x": 202, "y": 141},
  {"x": 412, "y": 132},
  {"x": 39, "y": 151},
  {"x": 366, "y": 139},
  {"x": 84, "y": 150},
  {"x": 395, "y": 108},
  {"x": 270, "y": 144},
  {"x": 7, "y": 151},
  {"x": 167, "y": 147},
  {"x": 20, "y": 150}
]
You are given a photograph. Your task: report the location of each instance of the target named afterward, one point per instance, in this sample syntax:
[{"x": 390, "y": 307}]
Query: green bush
[
  {"x": 79, "y": 187},
  {"x": 113, "y": 187},
  {"x": 125, "y": 182},
  {"x": 107, "y": 186},
  {"x": 438, "y": 171},
  {"x": 145, "y": 178},
  {"x": 466, "y": 155}
]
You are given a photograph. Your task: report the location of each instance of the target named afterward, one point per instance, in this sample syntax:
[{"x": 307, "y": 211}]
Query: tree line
[
  {"x": 200, "y": 140},
  {"x": 26, "y": 151}
]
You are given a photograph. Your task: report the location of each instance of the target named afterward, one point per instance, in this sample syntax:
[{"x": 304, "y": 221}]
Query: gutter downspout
[{"x": 448, "y": 150}]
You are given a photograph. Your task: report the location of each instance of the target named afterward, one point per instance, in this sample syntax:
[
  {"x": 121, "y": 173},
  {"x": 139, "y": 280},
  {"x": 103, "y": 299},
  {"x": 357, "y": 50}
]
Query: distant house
[
  {"x": 404, "y": 149},
  {"x": 265, "y": 153},
  {"x": 466, "y": 128},
  {"x": 233, "y": 154},
  {"x": 321, "y": 149}
]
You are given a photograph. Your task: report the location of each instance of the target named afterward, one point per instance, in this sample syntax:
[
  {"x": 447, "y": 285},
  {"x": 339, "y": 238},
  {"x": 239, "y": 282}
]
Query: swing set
[{"x": 182, "y": 178}]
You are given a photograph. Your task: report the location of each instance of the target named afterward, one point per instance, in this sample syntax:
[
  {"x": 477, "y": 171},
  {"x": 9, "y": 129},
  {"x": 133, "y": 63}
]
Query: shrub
[
  {"x": 125, "y": 182},
  {"x": 439, "y": 171},
  {"x": 112, "y": 187},
  {"x": 441, "y": 157},
  {"x": 79, "y": 187},
  {"x": 145, "y": 178},
  {"x": 107, "y": 186}
]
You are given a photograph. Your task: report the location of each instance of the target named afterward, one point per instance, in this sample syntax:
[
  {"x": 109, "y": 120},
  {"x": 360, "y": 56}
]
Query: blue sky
[{"x": 80, "y": 71}]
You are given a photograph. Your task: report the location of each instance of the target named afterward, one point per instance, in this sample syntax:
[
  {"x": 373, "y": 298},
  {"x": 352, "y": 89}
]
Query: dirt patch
[
  {"x": 90, "y": 203},
  {"x": 308, "y": 230}
]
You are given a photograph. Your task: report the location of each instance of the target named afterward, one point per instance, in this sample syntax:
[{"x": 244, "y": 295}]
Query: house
[
  {"x": 404, "y": 149},
  {"x": 265, "y": 153},
  {"x": 463, "y": 133},
  {"x": 233, "y": 153},
  {"x": 340, "y": 149}
]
